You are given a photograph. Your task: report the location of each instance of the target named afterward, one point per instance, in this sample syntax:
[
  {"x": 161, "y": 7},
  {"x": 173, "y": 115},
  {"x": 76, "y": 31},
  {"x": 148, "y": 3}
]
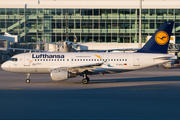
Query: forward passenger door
[{"x": 26, "y": 60}]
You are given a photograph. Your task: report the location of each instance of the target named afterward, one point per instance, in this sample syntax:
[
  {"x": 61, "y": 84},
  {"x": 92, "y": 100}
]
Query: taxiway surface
[{"x": 147, "y": 94}]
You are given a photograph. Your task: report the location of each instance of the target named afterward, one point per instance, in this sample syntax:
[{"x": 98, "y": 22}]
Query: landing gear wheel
[
  {"x": 85, "y": 80},
  {"x": 27, "y": 80}
]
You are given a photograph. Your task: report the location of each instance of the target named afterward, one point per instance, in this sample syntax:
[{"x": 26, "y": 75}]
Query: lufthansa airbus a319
[{"x": 62, "y": 66}]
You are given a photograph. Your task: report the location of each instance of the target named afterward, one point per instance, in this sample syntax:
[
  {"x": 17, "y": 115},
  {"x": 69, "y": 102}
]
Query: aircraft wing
[{"x": 81, "y": 68}]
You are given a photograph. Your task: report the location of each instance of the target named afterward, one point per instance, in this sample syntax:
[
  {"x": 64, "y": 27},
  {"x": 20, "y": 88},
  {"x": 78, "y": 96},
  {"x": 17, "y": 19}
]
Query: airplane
[
  {"x": 65, "y": 46},
  {"x": 62, "y": 66}
]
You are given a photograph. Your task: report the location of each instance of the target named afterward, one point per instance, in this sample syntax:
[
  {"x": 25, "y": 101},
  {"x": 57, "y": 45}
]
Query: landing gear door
[
  {"x": 136, "y": 60},
  {"x": 26, "y": 60}
]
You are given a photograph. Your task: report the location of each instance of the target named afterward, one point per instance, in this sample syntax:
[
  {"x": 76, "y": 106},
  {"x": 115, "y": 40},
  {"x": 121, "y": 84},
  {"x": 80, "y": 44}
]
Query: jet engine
[{"x": 60, "y": 75}]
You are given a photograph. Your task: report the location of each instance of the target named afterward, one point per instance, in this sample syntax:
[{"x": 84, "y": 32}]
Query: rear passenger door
[{"x": 136, "y": 60}]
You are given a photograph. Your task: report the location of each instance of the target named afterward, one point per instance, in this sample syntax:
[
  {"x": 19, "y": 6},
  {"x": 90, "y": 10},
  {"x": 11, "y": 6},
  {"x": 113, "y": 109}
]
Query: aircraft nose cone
[{"x": 4, "y": 66}]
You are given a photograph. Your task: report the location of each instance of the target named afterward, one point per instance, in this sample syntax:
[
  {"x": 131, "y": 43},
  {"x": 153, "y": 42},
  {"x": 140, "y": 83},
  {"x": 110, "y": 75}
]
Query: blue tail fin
[{"x": 158, "y": 43}]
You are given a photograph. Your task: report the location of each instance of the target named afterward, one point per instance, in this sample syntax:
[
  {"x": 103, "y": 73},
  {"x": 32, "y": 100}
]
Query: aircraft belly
[
  {"x": 40, "y": 70},
  {"x": 29, "y": 70}
]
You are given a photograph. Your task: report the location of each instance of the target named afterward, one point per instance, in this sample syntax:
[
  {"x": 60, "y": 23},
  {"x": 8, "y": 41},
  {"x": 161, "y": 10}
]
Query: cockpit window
[{"x": 14, "y": 59}]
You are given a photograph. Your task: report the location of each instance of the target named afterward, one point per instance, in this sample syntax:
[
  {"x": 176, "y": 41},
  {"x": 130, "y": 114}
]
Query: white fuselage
[{"x": 112, "y": 62}]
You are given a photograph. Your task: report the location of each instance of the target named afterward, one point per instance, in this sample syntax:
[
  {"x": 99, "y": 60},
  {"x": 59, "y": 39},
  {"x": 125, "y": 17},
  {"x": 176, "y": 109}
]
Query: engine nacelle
[{"x": 60, "y": 75}]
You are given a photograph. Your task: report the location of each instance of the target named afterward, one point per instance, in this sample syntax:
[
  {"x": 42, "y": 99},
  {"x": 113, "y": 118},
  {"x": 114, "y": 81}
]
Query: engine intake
[{"x": 60, "y": 75}]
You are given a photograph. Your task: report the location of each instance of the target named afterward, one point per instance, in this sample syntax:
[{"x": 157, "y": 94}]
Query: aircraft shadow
[{"x": 169, "y": 78}]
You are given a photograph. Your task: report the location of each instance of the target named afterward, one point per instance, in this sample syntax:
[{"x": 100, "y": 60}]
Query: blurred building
[{"x": 100, "y": 21}]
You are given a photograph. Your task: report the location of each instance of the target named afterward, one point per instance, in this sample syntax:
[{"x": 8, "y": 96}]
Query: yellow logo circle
[{"x": 162, "y": 38}]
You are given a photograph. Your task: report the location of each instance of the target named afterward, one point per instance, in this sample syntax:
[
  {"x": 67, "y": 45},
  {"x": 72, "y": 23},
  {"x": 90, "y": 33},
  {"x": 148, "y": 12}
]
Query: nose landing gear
[{"x": 28, "y": 78}]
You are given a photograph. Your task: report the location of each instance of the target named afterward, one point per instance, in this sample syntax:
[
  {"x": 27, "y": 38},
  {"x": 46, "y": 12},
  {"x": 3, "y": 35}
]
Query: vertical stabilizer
[{"x": 158, "y": 43}]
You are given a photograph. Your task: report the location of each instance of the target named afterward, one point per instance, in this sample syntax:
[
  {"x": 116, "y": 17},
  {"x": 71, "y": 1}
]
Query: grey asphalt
[{"x": 147, "y": 94}]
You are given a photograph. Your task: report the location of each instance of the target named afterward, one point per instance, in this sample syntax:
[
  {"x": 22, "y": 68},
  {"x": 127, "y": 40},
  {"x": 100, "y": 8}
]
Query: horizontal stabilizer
[{"x": 162, "y": 58}]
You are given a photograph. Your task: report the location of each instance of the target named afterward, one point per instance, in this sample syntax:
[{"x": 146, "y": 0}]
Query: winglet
[{"x": 158, "y": 43}]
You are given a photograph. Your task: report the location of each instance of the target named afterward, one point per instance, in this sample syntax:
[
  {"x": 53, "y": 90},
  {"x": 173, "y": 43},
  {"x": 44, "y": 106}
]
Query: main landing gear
[
  {"x": 85, "y": 80},
  {"x": 28, "y": 78}
]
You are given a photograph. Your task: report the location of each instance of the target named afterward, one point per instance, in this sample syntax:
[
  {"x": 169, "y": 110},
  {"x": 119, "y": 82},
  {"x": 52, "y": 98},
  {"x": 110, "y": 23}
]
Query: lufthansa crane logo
[{"x": 162, "y": 38}]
